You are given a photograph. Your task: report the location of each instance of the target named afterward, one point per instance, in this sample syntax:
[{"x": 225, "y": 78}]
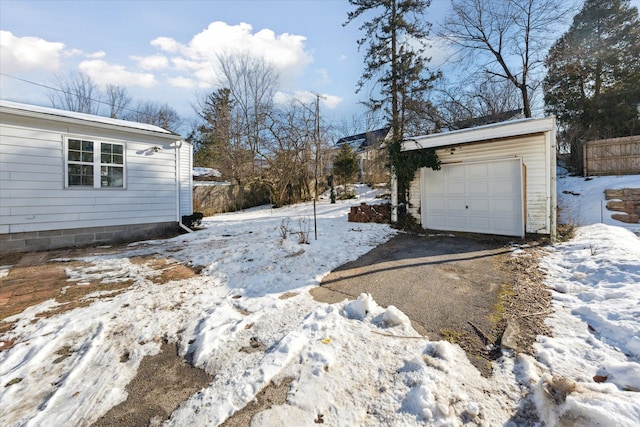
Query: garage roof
[{"x": 481, "y": 133}]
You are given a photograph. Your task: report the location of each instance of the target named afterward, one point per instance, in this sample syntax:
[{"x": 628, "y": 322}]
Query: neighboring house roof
[
  {"x": 366, "y": 139},
  {"x": 502, "y": 116},
  {"x": 481, "y": 133},
  {"x": 64, "y": 115},
  {"x": 206, "y": 174}
]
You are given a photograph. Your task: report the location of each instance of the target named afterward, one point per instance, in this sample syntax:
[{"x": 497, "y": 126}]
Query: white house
[
  {"x": 69, "y": 179},
  {"x": 495, "y": 179}
]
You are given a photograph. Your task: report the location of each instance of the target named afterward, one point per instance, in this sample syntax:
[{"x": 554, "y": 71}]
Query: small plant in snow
[
  {"x": 593, "y": 249},
  {"x": 284, "y": 228},
  {"x": 304, "y": 229}
]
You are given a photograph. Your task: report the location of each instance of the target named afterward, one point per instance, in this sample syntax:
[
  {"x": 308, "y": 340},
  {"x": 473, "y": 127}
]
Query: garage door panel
[
  {"x": 479, "y": 205},
  {"x": 483, "y": 197},
  {"x": 438, "y": 188},
  {"x": 479, "y": 188},
  {"x": 479, "y": 223},
  {"x": 453, "y": 205},
  {"x": 455, "y": 222},
  {"x": 455, "y": 189},
  {"x": 453, "y": 174},
  {"x": 439, "y": 221},
  {"x": 477, "y": 170},
  {"x": 506, "y": 206},
  {"x": 505, "y": 187}
]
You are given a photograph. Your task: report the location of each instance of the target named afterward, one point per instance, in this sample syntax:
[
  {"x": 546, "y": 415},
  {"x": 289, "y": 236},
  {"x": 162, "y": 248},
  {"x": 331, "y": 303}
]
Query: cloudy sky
[{"x": 166, "y": 51}]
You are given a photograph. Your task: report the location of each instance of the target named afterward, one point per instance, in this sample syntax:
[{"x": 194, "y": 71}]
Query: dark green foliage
[
  {"x": 345, "y": 165},
  {"x": 395, "y": 36},
  {"x": 592, "y": 84},
  {"x": 406, "y": 163}
]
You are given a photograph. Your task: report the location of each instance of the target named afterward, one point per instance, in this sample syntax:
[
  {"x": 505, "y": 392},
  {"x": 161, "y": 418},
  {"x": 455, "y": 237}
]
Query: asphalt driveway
[{"x": 448, "y": 285}]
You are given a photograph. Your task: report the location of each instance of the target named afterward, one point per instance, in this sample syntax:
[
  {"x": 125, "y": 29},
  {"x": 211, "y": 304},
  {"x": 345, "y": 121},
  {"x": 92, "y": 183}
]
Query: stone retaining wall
[{"x": 626, "y": 200}]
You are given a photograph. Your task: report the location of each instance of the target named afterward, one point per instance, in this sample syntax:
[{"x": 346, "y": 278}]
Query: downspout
[
  {"x": 178, "y": 145},
  {"x": 554, "y": 182}
]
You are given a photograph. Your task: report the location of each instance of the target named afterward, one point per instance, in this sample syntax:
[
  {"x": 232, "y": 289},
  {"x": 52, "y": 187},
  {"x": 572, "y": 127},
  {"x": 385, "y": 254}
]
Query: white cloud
[
  {"x": 28, "y": 53},
  {"x": 96, "y": 55},
  {"x": 183, "y": 82},
  {"x": 286, "y": 52},
  {"x": 166, "y": 44},
  {"x": 104, "y": 73},
  {"x": 152, "y": 62},
  {"x": 323, "y": 77}
]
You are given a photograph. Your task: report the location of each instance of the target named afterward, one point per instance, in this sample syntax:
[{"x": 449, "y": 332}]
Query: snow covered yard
[{"x": 352, "y": 363}]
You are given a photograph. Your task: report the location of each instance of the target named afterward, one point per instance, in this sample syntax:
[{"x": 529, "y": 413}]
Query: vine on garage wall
[{"x": 406, "y": 163}]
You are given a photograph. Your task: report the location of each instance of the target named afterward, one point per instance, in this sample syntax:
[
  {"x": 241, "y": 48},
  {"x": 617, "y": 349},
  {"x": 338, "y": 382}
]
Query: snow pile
[
  {"x": 581, "y": 201},
  {"x": 249, "y": 321},
  {"x": 596, "y": 327}
]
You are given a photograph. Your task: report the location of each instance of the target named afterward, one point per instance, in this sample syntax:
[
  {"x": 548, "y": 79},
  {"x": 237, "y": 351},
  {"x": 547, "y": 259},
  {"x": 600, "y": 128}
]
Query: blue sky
[{"x": 164, "y": 50}]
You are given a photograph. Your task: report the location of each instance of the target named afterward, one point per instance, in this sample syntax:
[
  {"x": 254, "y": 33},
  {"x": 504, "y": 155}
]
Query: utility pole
[{"x": 315, "y": 191}]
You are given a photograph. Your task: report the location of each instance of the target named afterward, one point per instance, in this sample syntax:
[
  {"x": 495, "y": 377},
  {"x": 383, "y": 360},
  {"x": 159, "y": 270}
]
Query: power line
[{"x": 72, "y": 94}]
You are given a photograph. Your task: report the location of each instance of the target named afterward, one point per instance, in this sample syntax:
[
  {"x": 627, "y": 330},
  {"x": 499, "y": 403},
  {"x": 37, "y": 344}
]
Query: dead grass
[{"x": 35, "y": 279}]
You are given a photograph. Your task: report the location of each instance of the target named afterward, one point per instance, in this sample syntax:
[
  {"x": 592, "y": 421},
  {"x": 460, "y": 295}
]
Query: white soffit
[{"x": 481, "y": 133}]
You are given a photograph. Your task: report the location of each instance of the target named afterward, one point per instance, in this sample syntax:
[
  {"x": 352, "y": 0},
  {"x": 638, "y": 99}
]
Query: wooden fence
[{"x": 615, "y": 156}]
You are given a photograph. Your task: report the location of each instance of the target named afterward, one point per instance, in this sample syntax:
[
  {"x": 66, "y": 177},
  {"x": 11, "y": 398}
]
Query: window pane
[
  {"x": 74, "y": 144},
  {"x": 117, "y": 149},
  {"x": 105, "y": 158},
  {"x": 87, "y": 157},
  {"x": 80, "y": 175},
  {"x": 111, "y": 176},
  {"x": 105, "y": 148},
  {"x": 118, "y": 159},
  {"x": 74, "y": 156},
  {"x": 87, "y": 146}
]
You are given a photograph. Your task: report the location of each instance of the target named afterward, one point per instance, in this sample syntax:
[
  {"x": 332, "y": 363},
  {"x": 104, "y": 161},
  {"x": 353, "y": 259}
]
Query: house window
[{"x": 94, "y": 164}]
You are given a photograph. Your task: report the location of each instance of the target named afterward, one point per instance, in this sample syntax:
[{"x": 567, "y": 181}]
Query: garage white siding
[
  {"x": 537, "y": 156},
  {"x": 480, "y": 197}
]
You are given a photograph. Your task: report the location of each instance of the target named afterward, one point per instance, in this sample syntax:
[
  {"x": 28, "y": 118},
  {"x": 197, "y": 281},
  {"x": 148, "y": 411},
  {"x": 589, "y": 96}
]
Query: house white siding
[{"x": 35, "y": 199}]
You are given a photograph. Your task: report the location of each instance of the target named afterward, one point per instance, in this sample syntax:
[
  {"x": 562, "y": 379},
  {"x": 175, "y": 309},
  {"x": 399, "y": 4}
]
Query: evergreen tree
[
  {"x": 395, "y": 38},
  {"x": 593, "y": 79},
  {"x": 345, "y": 166}
]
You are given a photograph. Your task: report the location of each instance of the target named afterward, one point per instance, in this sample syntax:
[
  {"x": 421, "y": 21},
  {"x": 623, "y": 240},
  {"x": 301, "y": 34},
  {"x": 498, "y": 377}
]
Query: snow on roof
[
  {"x": 28, "y": 108},
  {"x": 199, "y": 171},
  {"x": 480, "y": 133}
]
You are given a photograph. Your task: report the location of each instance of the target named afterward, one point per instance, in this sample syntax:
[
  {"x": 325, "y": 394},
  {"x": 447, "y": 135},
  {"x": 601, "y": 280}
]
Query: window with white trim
[{"x": 94, "y": 164}]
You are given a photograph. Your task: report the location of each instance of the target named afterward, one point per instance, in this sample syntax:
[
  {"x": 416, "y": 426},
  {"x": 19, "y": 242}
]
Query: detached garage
[{"x": 495, "y": 179}]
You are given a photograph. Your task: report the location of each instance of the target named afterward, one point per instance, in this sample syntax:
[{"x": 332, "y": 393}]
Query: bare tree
[
  {"x": 288, "y": 153},
  {"x": 118, "y": 99},
  {"x": 154, "y": 113},
  {"x": 507, "y": 38},
  {"x": 76, "y": 92},
  {"x": 252, "y": 83},
  {"x": 460, "y": 105}
]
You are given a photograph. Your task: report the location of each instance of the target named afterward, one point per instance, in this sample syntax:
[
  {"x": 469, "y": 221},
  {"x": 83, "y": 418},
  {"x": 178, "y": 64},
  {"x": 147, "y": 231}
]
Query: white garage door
[{"x": 482, "y": 197}]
